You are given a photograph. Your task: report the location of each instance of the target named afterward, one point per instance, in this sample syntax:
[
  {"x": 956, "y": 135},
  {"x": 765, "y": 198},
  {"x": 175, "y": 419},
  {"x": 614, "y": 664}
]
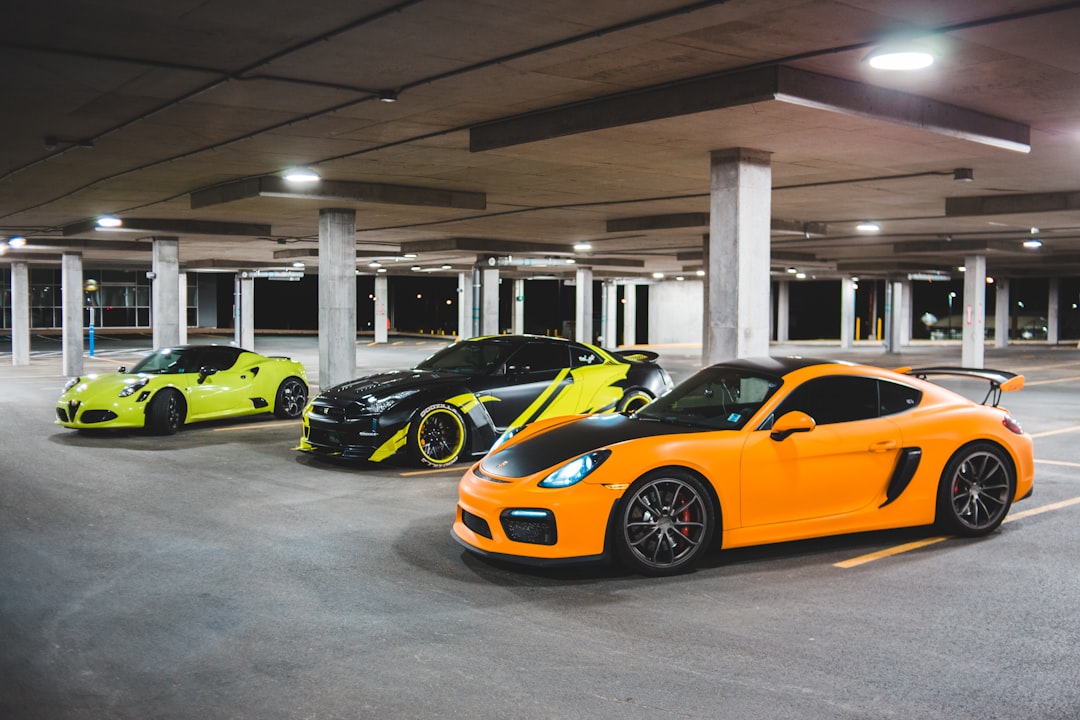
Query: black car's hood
[
  {"x": 387, "y": 383},
  {"x": 563, "y": 442}
]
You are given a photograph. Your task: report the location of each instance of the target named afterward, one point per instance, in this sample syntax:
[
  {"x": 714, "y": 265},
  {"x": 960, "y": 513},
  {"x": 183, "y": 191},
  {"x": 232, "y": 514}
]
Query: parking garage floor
[{"x": 218, "y": 573}]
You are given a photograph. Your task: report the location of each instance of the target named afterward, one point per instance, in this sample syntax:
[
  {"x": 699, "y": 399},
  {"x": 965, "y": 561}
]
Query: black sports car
[{"x": 457, "y": 402}]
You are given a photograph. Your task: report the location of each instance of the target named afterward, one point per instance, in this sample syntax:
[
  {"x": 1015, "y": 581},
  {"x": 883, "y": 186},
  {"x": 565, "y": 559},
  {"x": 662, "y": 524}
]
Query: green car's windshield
[
  {"x": 167, "y": 361},
  {"x": 718, "y": 398},
  {"x": 468, "y": 358}
]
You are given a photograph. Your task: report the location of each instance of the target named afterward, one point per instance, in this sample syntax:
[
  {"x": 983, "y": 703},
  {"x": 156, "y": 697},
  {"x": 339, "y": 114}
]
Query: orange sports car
[{"x": 750, "y": 452}]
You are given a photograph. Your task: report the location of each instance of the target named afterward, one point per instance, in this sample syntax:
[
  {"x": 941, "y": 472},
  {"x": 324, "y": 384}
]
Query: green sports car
[{"x": 177, "y": 385}]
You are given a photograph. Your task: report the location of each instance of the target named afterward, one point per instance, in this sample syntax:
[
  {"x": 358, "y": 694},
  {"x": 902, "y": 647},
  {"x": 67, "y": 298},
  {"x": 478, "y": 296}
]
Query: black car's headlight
[
  {"x": 576, "y": 470},
  {"x": 71, "y": 383},
  {"x": 378, "y": 406},
  {"x": 131, "y": 387}
]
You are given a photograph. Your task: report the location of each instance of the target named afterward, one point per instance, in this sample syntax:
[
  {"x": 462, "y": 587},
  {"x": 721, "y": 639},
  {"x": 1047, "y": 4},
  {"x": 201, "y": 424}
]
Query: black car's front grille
[
  {"x": 477, "y": 524},
  {"x": 97, "y": 416},
  {"x": 536, "y": 527},
  {"x": 330, "y": 412}
]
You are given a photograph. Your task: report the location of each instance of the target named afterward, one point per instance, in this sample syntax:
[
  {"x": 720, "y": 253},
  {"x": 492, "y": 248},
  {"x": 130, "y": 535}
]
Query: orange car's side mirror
[{"x": 792, "y": 422}]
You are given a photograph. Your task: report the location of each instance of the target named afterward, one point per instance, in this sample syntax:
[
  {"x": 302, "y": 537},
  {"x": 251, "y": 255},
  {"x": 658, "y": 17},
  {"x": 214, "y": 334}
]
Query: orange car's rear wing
[{"x": 1000, "y": 380}]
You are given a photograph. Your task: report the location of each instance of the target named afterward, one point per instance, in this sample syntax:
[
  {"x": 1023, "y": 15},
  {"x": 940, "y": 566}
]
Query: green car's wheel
[
  {"x": 976, "y": 490},
  {"x": 437, "y": 436},
  {"x": 664, "y": 523},
  {"x": 165, "y": 414},
  {"x": 634, "y": 400},
  {"x": 291, "y": 398}
]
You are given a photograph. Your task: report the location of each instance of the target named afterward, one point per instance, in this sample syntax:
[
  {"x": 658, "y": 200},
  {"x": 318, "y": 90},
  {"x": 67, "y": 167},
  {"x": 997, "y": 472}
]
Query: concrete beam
[
  {"x": 159, "y": 226},
  {"x": 1017, "y": 204},
  {"x": 743, "y": 87},
  {"x": 336, "y": 191}
]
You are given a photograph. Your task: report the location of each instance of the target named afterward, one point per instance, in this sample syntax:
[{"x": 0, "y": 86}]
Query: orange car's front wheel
[{"x": 665, "y": 523}]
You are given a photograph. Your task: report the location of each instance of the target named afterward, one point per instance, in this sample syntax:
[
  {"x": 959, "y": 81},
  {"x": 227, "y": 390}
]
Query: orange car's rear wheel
[
  {"x": 664, "y": 523},
  {"x": 976, "y": 490}
]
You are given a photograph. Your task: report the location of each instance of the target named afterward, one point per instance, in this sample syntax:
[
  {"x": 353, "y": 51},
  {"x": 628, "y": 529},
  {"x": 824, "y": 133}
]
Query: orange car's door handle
[{"x": 882, "y": 446}]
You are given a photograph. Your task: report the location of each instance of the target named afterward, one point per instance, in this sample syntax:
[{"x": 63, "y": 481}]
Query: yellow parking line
[
  {"x": 434, "y": 471},
  {"x": 1059, "y": 431},
  {"x": 1065, "y": 463},
  {"x": 907, "y": 547},
  {"x": 249, "y": 426},
  {"x": 888, "y": 552}
]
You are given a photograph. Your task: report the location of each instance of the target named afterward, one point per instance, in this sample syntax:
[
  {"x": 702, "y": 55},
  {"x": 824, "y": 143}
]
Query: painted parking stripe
[
  {"x": 1063, "y": 463},
  {"x": 434, "y": 471},
  {"x": 1059, "y": 431},
  {"x": 907, "y": 547}
]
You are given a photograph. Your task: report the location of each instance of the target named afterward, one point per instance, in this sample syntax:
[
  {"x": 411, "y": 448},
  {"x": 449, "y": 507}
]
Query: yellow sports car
[
  {"x": 178, "y": 385},
  {"x": 746, "y": 453}
]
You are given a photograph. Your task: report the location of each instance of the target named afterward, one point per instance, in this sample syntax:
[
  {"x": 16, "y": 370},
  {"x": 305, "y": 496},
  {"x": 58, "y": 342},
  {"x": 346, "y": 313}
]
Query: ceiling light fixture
[
  {"x": 387, "y": 96},
  {"x": 109, "y": 221},
  {"x": 1033, "y": 244},
  {"x": 867, "y": 226},
  {"x": 897, "y": 56},
  {"x": 963, "y": 175},
  {"x": 301, "y": 174},
  {"x": 16, "y": 241}
]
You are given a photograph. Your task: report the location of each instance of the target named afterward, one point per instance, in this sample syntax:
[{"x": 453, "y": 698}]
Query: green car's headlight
[
  {"x": 71, "y": 383},
  {"x": 576, "y": 470},
  {"x": 131, "y": 387}
]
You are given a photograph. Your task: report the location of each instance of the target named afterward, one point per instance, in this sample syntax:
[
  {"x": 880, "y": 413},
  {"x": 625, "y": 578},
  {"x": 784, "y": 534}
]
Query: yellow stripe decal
[{"x": 391, "y": 446}]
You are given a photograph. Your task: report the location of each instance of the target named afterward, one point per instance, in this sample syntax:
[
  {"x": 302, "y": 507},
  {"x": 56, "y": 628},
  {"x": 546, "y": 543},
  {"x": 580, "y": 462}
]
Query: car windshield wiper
[{"x": 675, "y": 420}]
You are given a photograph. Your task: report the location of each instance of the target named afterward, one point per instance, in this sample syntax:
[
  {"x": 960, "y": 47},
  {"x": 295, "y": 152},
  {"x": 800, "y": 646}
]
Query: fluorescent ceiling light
[
  {"x": 1033, "y": 244},
  {"x": 897, "y": 58},
  {"x": 16, "y": 241},
  {"x": 868, "y": 226},
  {"x": 109, "y": 221},
  {"x": 582, "y": 246},
  {"x": 301, "y": 174}
]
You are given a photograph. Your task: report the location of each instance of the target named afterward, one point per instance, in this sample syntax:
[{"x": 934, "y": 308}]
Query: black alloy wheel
[
  {"x": 976, "y": 490},
  {"x": 165, "y": 415},
  {"x": 437, "y": 436},
  {"x": 665, "y": 523},
  {"x": 291, "y": 398}
]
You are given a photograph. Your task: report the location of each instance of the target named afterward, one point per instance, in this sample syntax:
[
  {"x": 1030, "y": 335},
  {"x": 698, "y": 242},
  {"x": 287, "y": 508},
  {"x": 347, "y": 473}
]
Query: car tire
[
  {"x": 165, "y": 414},
  {"x": 437, "y": 436},
  {"x": 633, "y": 400},
  {"x": 976, "y": 490},
  {"x": 291, "y": 398},
  {"x": 664, "y": 523}
]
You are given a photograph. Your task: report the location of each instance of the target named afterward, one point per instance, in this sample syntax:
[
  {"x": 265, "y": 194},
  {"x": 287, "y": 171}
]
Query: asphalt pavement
[{"x": 218, "y": 573}]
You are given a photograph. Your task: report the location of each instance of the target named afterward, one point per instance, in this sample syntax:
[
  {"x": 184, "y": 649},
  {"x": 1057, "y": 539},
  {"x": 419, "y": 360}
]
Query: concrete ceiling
[{"x": 522, "y": 127}]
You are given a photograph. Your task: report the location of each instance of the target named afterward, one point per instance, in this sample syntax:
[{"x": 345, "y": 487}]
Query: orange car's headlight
[{"x": 576, "y": 470}]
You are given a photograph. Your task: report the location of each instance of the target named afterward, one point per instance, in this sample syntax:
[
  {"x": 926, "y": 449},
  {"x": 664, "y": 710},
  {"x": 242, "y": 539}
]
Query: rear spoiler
[
  {"x": 1000, "y": 380},
  {"x": 643, "y": 356}
]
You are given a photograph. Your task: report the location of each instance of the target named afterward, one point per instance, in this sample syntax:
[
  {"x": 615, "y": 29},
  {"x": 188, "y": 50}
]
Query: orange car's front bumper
[{"x": 519, "y": 521}]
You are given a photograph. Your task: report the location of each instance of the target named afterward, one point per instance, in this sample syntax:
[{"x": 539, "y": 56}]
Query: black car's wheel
[
  {"x": 437, "y": 436},
  {"x": 291, "y": 398},
  {"x": 976, "y": 490},
  {"x": 664, "y": 523},
  {"x": 165, "y": 414},
  {"x": 633, "y": 400}
]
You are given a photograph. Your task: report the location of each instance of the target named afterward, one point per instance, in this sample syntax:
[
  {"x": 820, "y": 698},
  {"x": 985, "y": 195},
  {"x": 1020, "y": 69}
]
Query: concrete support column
[
  {"x": 465, "y": 305},
  {"x": 894, "y": 302},
  {"x": 609, "y": 315},
  {"x": 1053, "y": 308},
  {"x": 20, "y": 313},
  {"x": 244, "y": 332},
  {"x": 337, "y": 296},
  {"x": 518, "y": 325},
  {"x": 74, "y": 305},
  {"x": 783, "y": 311},
  {"x": 847, "y": 312},
  {"x": 183, "y": 303},
  {"x": 630, "y": 314},
  {"x": 165, "y": 292},
  {"x": 489, "y": 301},
  {"x": 583, "y": 330},
  {"x": 1001, "y": 313},
  {"x": 974, "y": 319},
  {"x": 381, "y": 323},
  {"x": 736, "y": 319},
  {"x": 903, "y": 316}
]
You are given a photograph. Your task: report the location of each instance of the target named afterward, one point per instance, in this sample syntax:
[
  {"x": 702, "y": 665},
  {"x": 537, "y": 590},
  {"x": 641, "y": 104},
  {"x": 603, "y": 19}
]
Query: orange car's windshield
[{"x": 718, "y": 398}]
